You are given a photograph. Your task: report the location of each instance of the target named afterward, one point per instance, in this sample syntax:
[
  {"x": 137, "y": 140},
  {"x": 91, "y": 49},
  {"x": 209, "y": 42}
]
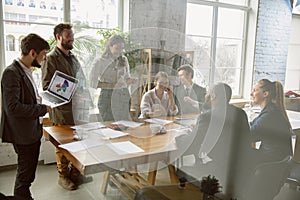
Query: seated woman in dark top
[
  {"x": 271, "y": 126},
  {"x": 273, "y": 129}
]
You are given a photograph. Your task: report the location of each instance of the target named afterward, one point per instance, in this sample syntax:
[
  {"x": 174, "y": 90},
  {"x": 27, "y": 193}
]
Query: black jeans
[{"x": 28, "y": 156}]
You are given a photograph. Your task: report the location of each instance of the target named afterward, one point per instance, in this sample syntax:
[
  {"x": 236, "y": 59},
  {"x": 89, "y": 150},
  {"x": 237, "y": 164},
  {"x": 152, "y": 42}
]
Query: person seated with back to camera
[
  {"x": 159, "y": 101},
  {"x": 221, "y": 135},
  {"x": 189, "y": 96}
]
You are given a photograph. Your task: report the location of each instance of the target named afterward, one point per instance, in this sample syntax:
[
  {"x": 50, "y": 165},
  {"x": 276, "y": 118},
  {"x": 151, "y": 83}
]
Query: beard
[
  {"x": 65, "y": 44},
  {"x": 36, "y": 64}
]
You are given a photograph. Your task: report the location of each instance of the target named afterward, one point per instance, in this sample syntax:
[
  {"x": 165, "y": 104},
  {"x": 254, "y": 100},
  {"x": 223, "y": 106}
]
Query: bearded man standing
[
  {"x": 22, "y": 111},
  {"x": 62, "y": 59}
]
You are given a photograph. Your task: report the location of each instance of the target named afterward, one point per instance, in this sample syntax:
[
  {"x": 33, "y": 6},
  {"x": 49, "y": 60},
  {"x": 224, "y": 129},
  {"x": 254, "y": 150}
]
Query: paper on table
[
  {"x": 128, "y": 123},
  {"x": 89, "y": 126},
  {"x": 186, "y": 122},
  {"x": 126, "y": 147},
  {"x": 295, "y": 124},
  {"x": 110, "y": 133},
  {"x": 81, "y": 145},
  {"x": 158, "y": 121}
]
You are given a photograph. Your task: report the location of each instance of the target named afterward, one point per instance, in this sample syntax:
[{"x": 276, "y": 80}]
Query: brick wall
[{"x": 272, "y": 39}]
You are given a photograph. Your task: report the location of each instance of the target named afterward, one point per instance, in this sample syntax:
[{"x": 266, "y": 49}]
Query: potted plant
[{"x": 209, "y": 187}]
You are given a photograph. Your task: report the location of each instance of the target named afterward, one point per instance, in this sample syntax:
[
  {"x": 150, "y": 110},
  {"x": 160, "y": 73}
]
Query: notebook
[{"x": 60, "y": 90}]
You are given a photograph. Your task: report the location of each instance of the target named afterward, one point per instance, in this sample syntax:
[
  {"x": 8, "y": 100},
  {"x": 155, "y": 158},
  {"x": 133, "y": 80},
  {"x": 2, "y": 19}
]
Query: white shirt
[
  {"x": 28, "y": 72},
  {"x": 150, "y": 98},
  {"x": 107, "y": 70}
]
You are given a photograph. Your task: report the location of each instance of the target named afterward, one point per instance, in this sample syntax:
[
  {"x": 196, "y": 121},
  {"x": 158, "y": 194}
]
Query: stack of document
[
  {"x": 89, "y": 126},
  {"x": 130, "y": 124},
  {"x": 187, "y": 122},
  {"x": 158, "y": 121},
  {"x": 108, "y": 133}
]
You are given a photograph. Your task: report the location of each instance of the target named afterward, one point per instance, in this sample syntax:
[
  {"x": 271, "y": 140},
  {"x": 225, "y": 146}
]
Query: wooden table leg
[
  {"x": 172, "y": 174},
  {"x": 105, "y": 182},
  {"x": 152, "y": 173}
]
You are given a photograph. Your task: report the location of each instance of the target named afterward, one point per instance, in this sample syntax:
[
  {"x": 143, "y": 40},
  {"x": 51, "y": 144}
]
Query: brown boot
[
  {"x": 66, "y": 183},
  {"x": 81, "y": 179},
  {"x": 77, "y": 177}
]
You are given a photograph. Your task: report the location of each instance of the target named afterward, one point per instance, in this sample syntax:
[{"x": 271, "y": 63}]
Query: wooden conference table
[
  {"x": 103, "y": 159},
  {"x": 156, "y": 148}
]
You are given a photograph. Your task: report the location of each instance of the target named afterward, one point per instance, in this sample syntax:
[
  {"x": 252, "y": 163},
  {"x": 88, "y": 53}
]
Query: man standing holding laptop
[{"x": 62, "y": 59}]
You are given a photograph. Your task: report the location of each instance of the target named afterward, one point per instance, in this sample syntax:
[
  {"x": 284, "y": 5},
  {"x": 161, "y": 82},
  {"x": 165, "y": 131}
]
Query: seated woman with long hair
[{"x": 271, "y": 126}]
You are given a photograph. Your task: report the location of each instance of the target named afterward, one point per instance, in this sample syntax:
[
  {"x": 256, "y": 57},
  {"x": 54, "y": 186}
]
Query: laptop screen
[{"x": 62, "y": 85}]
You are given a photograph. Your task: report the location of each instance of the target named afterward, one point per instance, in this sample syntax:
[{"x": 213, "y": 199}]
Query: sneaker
[
  {"x": 66, "y": 183},
  {"x": 81, "y": 179}
]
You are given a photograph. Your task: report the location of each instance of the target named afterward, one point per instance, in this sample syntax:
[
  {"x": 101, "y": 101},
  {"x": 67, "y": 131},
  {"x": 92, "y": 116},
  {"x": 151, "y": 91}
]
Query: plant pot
[{"x": 206, "y": 196}]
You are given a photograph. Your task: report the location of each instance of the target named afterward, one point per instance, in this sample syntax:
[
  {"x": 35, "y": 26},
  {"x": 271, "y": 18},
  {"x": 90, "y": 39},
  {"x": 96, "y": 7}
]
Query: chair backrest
[
  {"x": 267, "y": 179},
  {"x": 293, "y": 178}
]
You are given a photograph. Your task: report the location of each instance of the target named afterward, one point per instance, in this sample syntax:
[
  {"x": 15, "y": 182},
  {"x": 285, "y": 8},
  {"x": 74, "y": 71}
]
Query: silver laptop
[{"x": 60, "y": 90}]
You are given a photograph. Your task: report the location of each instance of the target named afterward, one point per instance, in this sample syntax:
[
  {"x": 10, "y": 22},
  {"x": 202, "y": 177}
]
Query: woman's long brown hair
[{"x": 276, "y": 95}]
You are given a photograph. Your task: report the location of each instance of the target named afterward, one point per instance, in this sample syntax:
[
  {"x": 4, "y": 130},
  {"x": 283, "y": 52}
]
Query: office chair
[
  {"x": 267, "y": 180},
  {"x": 293, "y": 178}
]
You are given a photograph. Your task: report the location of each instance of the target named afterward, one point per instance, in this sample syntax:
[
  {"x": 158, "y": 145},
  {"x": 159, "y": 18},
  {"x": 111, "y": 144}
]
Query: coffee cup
[
  {"x": 155, "y": 128},
  {"x": 79, "y": 134}
]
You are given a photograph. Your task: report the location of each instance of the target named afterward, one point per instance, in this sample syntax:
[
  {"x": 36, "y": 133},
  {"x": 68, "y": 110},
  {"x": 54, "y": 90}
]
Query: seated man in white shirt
[{"x": 159, "y": 101}]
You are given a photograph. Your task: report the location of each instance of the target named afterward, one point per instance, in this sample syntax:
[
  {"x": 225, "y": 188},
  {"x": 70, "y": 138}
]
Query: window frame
[{"x": 214, "y": 38}]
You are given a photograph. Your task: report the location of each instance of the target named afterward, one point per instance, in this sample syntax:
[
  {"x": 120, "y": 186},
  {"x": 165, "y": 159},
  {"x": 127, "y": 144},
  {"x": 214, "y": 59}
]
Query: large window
[
  {"x": 292, "y": 78},
  {"x": 95, "y": 13},
  {"x": 40, "y": 16},
  {"x": 216, "y": 30},
  {"x": 21, "y": 18},
  {"x": 87, "y": 18}
]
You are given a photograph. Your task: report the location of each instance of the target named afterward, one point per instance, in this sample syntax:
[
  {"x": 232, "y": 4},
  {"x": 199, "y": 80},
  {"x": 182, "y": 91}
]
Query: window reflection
[
  {"x": 20, "y": 3},
  {"x": 42, "y": 5},
  {"x": 31, "y": 4},
  {"x": 10, "y": 43},
  {"x": 53, "y": 6},
  {"x": 8, "y": 2}
]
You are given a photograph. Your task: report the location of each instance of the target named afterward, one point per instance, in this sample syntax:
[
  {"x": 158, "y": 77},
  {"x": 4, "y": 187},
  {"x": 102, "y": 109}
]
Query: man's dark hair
[
  {"x": 222, "y": 91},
  {"x": 187, "y": 68},
  {"x": 58, "y": 29},
  {"x": 35, "y": 42}
]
